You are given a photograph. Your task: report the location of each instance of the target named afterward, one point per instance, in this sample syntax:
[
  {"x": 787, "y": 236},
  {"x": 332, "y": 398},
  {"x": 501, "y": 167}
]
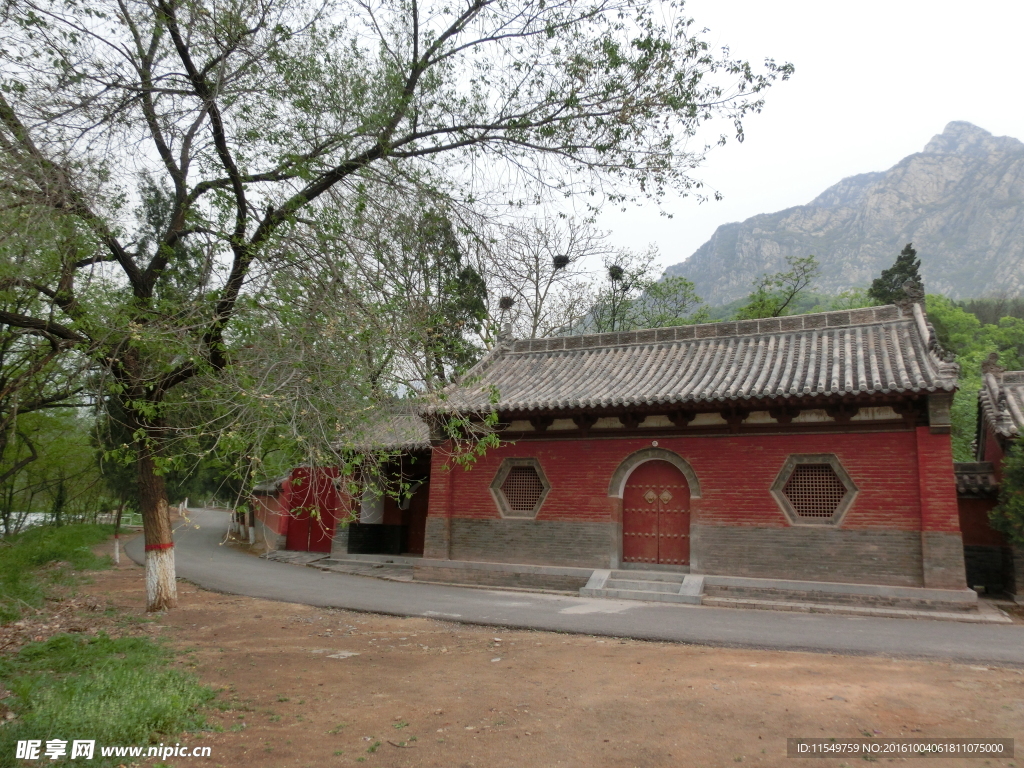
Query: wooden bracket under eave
[
  {"x": 682, "y": 418},
  {"x": 541, "y": 423},
  {"x": 584, "y": 421}
]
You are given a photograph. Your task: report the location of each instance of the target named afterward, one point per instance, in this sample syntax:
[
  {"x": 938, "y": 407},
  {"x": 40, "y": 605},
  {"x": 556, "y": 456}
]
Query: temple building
[{"x": 804, "y": 457}]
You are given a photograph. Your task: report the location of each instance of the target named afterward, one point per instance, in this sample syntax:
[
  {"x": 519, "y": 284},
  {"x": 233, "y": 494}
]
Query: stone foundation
[
  {"x": 339, "y": 546},
  {"x": 942, "y": 560},
  {"x": 810, "y": 554},
  {"x": 537, "y": 542}
]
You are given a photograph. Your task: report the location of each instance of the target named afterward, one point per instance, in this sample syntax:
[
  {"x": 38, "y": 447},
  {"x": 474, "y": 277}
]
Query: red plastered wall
[
  {"x": 993, "y": 451},
  {"x": 271, "y": 510},
  {"x": 939, "y": 509},
  {"x": 735, "y": 473},
  {"x": 975, "y": 526}
]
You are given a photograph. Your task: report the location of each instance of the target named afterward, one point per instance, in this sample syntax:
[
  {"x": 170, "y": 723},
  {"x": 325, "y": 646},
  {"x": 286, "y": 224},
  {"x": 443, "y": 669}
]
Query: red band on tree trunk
[{"x": 154, "y": 547}]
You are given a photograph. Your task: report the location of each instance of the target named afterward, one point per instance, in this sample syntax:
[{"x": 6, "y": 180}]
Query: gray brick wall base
[
  {"x": 268, "y": 538},
  {"x": 436, "y": 539},
  {"x": 942, "y": 560},
  {"x": 1017, "y": 569},
  {"x": 538, "y": 542},
  {"x": 339, "y": 546},
  {"x": 810, "y": 554}
]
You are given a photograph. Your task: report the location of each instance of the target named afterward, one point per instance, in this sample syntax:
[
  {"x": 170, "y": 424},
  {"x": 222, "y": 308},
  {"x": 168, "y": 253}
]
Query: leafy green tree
[
  {"x": 777, "y": 294},
  {"x": 256, "y": 118},
  {"x": 972, "y": 342},
  {"x": 447, "y": 296},
  {"x": 1008, "y": 515},
  {"x": 63, "y": 483},
  {"x": 888, "y": 288}
]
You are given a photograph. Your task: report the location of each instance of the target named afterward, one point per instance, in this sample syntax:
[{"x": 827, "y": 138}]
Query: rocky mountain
[{"x": 960, "y": 201}]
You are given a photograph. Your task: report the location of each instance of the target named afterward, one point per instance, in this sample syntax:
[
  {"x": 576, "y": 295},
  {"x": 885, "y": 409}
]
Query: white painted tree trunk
[
  {"x": 117, "y": 550},
  {"x": 161, "y": 586}
]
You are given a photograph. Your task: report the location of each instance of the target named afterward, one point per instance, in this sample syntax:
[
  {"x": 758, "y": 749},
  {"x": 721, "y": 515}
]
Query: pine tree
[{"x": 888, "y": 289}]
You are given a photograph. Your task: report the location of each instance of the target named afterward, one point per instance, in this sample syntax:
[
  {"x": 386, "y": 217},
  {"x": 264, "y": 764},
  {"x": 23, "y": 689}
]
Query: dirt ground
[{"x": 303, "y": 686}]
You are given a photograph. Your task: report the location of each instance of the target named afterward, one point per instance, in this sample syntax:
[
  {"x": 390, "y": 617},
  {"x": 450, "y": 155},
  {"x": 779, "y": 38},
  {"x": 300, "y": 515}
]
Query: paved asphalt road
[{"x": 204, "y": 561}]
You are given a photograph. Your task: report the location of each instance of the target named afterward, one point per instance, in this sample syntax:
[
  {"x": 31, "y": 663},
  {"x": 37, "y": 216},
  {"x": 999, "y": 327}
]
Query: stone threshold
[
  {"x": 875, "y": 596},
  {"x": 985, "y": 615},
  {"x": 967, "y": 598}
]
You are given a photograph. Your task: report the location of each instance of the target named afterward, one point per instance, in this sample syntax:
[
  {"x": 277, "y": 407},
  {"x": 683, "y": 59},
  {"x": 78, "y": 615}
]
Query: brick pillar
[
  {"x": 348, "y": 510},
  {"x": 615, "y": 505},
  {"x": 942, "y": 548},
  {"x": 437, "y": 542},
  {"x": 1016, "y": 588}
]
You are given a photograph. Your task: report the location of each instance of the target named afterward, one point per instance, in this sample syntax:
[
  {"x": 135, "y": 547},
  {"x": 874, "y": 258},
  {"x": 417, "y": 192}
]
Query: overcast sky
[{"x": 875, "y": 80}]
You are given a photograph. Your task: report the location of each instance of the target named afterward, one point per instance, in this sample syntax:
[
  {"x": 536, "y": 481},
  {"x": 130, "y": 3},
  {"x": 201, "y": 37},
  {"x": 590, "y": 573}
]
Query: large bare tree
[{"x": 244, "y": 114}]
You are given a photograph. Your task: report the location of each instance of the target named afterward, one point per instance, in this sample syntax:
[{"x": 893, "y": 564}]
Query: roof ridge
[
  {"x": 789, "y": 323},
  {"x": 998, "y": 406}
]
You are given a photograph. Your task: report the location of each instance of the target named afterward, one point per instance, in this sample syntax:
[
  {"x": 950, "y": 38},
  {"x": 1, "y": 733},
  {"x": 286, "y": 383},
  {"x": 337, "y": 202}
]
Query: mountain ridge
[{"x": 960, "y": 201}]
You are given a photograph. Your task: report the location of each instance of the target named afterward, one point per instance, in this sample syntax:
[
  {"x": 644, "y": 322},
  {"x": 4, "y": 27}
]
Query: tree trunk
[
  {"x": 161, "y": 587},
  {"x": 117, "y": 534}
]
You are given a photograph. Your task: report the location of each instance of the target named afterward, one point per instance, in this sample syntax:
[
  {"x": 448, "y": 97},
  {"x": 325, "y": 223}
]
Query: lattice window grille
[
  {"x": 522, "y": 489},
  {"x": 814, "y": 490}
]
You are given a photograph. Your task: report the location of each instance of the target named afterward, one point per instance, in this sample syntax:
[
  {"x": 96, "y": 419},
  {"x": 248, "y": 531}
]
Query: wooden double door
[
  {"x": 656, "y": 515},
  {"x": 313, "y": 512}
]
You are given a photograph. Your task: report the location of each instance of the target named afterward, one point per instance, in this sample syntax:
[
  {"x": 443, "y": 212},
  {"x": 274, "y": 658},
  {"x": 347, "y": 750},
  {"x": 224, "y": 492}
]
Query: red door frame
[{"x": 656, "y": 515}]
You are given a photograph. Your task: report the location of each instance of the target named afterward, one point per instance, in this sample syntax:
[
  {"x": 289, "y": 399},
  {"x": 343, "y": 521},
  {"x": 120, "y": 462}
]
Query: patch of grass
[
  {"x": 114, "y": 690},
  {"x": 24, "y": 575}
]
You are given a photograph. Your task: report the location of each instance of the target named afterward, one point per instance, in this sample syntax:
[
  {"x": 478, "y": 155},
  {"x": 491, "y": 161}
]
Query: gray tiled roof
[
  {"x": 975, "y": 478},
  {"x": 398, "y": 428},
  {"x": 270, "y": 487},
  {"x": 871, "y": 350},
  {"x": 1002, "y": 401}
]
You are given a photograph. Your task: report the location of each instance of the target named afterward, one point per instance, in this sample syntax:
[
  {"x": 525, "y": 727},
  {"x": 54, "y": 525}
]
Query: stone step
[
  {"x": 683, "y": 588},
  {"x": 344, "y": 561},
  {"x": 653, "y": 597},
  {"x": 637, "y": 585},
  {"x": 987, "y": 617},
  {"x": 672, "y": 577}
]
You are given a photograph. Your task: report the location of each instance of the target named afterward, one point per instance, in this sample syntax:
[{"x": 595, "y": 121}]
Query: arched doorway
[{"x": 656, "y": 515}]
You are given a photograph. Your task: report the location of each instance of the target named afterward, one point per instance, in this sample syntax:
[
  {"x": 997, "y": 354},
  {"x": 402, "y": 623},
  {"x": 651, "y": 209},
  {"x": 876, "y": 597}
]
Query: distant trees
[
  {"x": 888, "y": 288},
  {"x": 1008, "y": 516},
  {"x": 972, "y": 341},
  {"x": 632, "y": 297},
  {"x": 776, "y": 294}
]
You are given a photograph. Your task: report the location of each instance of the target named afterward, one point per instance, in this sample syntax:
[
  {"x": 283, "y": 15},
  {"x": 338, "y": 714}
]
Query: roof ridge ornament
[
  {"x": 991, "y": 365},
  {"x": 505, "y": 338},
  {"x": 914, "y": 294}
]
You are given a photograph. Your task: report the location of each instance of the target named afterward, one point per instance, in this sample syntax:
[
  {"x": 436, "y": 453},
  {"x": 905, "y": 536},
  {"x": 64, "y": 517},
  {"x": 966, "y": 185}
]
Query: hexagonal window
[
  {"x": 519, "y": 488},
  {"x": 814, "y": 489}
]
